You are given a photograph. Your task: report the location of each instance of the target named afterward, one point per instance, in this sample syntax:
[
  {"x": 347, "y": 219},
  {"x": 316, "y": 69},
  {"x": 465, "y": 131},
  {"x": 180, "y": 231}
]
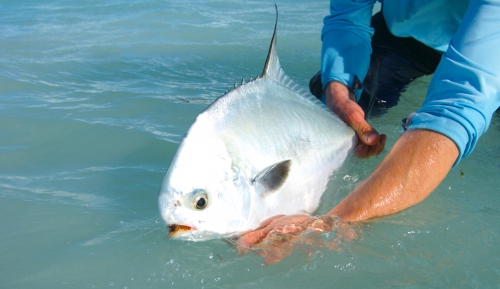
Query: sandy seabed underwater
[{"x": 95, "y": 97}]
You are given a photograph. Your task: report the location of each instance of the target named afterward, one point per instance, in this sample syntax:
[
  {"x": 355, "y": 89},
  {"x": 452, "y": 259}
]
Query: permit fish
[{"x": 265, "y": 148}]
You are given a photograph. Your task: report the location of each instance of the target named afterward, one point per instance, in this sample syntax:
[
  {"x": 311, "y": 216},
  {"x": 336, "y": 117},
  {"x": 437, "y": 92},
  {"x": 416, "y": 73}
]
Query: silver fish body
[{"x": 266, "y": 148}]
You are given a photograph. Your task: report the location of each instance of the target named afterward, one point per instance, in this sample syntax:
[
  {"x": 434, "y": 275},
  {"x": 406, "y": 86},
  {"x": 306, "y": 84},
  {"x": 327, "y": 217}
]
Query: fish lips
[{"x": 175, "y": 230}]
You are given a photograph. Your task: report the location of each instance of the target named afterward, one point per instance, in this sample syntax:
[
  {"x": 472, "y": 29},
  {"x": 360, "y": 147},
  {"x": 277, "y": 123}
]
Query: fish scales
[{"x": 265, "y": 148}]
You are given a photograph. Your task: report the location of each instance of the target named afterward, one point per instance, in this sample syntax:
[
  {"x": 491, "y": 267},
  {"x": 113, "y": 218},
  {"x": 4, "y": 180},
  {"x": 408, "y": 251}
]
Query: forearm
[{"x": 415, "y": 166}]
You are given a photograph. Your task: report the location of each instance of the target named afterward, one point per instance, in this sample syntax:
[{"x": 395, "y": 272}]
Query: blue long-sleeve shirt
[{"x": 465, "y": 89}]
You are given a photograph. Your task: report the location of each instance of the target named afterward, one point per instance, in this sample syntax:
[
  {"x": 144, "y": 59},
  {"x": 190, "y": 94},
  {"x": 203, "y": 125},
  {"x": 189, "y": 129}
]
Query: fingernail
[{"x": 370, "y": 137}]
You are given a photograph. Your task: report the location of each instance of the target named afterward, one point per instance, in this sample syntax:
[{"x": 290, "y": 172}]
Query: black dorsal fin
[
  {"x": 274, "y": 176},
  {"x": 272, "y": 65}
]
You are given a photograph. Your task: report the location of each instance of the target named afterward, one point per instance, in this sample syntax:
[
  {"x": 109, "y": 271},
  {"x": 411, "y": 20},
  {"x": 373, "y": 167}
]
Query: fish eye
[{"x": 200, "y": 201}]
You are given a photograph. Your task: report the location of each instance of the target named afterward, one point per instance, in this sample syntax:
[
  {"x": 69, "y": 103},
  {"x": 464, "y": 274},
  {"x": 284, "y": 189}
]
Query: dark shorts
[{"x": 394, "y": 63}]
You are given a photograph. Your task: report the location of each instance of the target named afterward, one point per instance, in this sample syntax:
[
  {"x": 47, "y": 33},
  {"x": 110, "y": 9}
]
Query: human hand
[
  {"x": 343, "y": 104},
  {"x": 279, "y": 236}
]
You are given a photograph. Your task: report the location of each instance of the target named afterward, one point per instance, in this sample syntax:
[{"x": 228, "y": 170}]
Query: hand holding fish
[
  {"x": 279, "y": 236},
  {"x": 343, "y": 104}
]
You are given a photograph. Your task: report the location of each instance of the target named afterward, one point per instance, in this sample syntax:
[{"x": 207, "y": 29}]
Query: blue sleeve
[
  {"x": 465, "y": 89},
  {"x": 346, "y": 40}
]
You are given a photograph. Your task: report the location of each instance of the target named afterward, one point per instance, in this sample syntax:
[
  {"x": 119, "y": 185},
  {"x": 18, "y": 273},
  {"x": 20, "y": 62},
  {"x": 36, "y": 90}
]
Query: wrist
[{"x": 339, "y": 90}]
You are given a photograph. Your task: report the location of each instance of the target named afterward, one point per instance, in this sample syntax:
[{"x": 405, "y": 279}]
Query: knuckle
[{"x": 356, "y": 119}]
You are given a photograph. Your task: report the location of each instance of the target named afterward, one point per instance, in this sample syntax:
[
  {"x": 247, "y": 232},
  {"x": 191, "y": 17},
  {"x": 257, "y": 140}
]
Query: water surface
[{"x": 95, "y": 97}]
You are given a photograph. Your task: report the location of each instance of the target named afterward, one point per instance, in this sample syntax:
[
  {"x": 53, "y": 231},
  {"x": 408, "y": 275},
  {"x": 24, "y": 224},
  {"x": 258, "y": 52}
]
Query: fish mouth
[{"x": 175, "y": 229}]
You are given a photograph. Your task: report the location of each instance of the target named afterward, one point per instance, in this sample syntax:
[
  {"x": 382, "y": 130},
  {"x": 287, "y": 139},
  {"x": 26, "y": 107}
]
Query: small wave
[
  {"x": 140, "y": 125},
  {"x": 145, "y": 226},
  {"x": 54, "y": 196}
]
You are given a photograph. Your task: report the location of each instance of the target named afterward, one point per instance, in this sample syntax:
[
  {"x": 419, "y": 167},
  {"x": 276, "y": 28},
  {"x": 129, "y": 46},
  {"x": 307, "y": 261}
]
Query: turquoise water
[{"x": 94, "y": 99}]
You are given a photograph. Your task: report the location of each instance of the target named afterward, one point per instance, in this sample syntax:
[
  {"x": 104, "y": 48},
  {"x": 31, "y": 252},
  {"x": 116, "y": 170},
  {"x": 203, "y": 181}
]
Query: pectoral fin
[{"x": 274, "y": 176}]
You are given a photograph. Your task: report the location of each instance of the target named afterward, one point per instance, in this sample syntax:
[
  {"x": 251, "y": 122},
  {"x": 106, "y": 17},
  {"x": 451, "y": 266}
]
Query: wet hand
[
  {"x": 343, "y": 104},
  {"x": 279, "y": 236},
  {"x": 280, "y": 223}
]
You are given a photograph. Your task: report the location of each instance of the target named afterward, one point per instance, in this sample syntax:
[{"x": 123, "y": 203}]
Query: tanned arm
[{"x": 414, "y": 167}]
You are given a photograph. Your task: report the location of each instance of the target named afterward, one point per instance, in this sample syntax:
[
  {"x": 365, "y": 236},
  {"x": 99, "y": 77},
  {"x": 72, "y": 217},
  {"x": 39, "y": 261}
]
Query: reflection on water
[{"x": 94, "y": 99}]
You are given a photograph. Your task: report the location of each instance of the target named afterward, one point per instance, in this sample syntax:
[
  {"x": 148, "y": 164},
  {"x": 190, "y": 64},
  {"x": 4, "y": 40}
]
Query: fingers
[
  {"x": 343, "y": 105},
  {"x": 277, "y": 224},
  {"x": 246, "y": 240},
  {"x": 346, "y": 232},
  {"x": 267, "y": 222},
  {"x": 356, "y": 119},
  {"x": 279, "y": 236},
  {"x": 363, "y": 150}
]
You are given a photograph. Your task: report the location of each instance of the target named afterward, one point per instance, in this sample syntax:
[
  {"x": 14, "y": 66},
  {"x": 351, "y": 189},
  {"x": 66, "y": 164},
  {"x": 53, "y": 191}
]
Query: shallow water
[{"x": 94, "y": 99}]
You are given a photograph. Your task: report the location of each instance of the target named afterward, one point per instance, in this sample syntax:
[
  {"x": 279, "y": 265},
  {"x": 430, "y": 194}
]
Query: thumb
[{"x": 366, "y": 133}]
